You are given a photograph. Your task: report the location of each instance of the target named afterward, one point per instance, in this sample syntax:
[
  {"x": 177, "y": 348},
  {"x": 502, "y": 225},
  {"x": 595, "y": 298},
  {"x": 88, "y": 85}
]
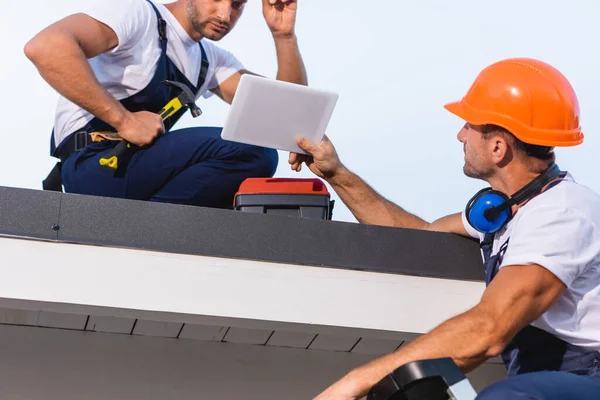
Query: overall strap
[
  {"x": 162, "y": 34},
  {"x": 486, "y": 246},
  {"x": 162, "y": 28},
  {"x": 204, "y": 67},
  {"x": 492, "y": 262}
]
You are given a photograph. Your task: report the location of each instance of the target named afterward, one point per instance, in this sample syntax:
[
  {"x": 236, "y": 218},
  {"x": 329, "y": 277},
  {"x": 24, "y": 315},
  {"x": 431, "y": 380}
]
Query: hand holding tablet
[{"x": 271, "y": 113}]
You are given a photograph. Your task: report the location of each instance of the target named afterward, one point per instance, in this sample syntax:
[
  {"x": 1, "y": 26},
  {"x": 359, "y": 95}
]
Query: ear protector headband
[{"x": 490, "y": 210}]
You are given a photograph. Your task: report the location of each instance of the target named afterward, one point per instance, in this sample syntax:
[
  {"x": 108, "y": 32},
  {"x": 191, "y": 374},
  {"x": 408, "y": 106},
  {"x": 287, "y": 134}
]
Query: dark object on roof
[{"x": 122, "y": 223}]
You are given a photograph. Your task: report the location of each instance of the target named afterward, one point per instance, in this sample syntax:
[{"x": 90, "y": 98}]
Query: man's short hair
[{"x": 533, "y": 150}]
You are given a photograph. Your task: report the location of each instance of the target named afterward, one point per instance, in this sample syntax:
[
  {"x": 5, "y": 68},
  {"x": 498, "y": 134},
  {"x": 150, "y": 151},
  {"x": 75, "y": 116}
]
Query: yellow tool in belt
[{"x": 185, "y": 98}]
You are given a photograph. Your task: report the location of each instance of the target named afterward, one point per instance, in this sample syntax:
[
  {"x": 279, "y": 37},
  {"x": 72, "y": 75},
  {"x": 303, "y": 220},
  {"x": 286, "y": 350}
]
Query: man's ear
[{"x": 501, "y": 149}]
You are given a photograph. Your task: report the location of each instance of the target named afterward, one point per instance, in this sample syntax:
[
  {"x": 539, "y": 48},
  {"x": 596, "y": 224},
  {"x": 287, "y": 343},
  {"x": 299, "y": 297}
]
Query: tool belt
[{"x": 77, "y": 141}]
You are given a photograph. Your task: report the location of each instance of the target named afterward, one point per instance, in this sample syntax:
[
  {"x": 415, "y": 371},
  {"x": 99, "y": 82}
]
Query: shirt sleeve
[
  {"x": 474, "y": 233},
  {"x": 129, "y": 19},
  {"x": 561, "y": 240},
  {"x": 223, "y": 65}
]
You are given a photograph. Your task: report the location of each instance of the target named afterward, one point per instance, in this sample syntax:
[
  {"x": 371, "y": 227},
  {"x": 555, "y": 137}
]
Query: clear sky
[{"x": 394, "y": 64}]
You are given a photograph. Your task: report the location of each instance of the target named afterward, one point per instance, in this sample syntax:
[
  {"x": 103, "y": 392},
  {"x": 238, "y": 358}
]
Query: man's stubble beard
[{"x": 202, "y": 27}]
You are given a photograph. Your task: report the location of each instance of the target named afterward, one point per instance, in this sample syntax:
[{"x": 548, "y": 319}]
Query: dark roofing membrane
[{"x": 191, "y": 230}]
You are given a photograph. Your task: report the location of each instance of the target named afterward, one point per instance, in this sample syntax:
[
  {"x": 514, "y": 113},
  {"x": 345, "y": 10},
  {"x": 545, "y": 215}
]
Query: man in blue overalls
[
  {"x": 109, "y": 63},
  {"x": 540, "y": 238}
]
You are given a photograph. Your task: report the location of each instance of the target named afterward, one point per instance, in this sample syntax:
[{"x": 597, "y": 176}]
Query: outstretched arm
[
  {"x": 367, "y": 206},
  {"x": 516, "y": 297}
]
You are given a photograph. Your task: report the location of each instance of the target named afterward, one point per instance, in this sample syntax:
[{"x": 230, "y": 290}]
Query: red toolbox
[{"x": 304, "y": 198}]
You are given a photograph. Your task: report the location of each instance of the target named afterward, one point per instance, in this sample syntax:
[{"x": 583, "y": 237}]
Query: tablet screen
[{"x": 273, "y": 114}]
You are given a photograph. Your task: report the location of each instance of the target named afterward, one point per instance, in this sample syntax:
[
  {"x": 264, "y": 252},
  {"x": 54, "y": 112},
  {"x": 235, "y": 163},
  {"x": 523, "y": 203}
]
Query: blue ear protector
[{"x": 490, "y": 210}]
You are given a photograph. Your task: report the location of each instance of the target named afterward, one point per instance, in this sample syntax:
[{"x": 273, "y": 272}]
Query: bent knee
[{"x": 265, "y": 162}]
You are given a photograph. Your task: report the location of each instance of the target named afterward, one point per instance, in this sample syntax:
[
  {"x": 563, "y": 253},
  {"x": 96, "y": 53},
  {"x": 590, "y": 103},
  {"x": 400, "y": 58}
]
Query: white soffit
[{"x": 219, "y": 287}]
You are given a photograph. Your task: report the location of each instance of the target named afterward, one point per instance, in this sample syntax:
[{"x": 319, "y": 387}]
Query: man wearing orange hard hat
[{"x": 540, "y": 238}]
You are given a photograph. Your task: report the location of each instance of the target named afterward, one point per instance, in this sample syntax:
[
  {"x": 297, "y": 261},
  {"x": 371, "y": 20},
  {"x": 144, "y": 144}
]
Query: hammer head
[{"x": 186, "y": 97}]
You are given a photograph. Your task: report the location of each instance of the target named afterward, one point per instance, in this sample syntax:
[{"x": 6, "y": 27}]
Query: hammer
[{"x": 185, "y": 98}]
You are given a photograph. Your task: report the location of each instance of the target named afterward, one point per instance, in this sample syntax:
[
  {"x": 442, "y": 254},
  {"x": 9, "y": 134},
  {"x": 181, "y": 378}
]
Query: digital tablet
[{"x": 270, "y": 113}]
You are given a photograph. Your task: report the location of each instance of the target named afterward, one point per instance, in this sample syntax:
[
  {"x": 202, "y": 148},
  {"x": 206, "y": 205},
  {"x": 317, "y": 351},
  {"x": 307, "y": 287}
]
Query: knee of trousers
[{"x": 264, "y": 163}]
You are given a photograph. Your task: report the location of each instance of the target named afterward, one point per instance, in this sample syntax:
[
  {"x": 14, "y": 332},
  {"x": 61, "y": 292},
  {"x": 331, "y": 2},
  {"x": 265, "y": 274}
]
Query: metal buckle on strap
[
  {"x": 77, "y": 141},
  {"x": 80, "y": 140},
  {"x": 162, "y": 29}
]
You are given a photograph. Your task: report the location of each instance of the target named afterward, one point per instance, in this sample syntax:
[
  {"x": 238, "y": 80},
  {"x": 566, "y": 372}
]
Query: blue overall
[
  {"x": 541, "y": 366},
  {"x": 188, "y": 166}
]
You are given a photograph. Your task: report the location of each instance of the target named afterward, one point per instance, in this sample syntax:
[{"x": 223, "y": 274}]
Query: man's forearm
[
  {"x": 469, "y": 339},
  {"x": 62, "y": 63},
  {"x": 291, "y": 67},
  {"x": 368, "y": 206}
]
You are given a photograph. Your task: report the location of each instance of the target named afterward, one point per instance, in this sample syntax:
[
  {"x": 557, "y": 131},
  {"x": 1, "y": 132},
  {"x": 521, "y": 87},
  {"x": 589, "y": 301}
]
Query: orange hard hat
[{"x": 529, "y": 98}]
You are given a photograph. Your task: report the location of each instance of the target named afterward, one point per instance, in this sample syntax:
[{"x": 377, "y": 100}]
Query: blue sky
[{"x": 394, "y": 64}]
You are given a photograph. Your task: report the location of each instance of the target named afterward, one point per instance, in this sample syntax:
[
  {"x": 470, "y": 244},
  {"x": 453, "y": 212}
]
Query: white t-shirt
[
  {"x": 128, "y": 68},
  {"x": 560, "y": 231}
]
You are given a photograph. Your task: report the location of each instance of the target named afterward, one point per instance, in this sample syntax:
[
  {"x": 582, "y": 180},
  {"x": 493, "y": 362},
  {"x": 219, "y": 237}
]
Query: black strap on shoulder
[
  {"x": 486, "y": 246},
  {"x": 162, "y": 34},
  {"x": 162, "y": 27},
  {"x": 549, "y": 178},
  {"x": 203, "y": 68},
  {"x": 536, "y": 186}
]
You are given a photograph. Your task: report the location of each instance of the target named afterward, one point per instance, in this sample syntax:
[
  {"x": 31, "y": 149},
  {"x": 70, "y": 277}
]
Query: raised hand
[{"x": 280, "y": 16}]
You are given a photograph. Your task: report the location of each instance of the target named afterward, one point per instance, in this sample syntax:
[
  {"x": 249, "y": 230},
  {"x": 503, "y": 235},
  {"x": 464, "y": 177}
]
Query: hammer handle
[
  {"x": 111, "y": 160},
  {"x": 171, "y": 108}
]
